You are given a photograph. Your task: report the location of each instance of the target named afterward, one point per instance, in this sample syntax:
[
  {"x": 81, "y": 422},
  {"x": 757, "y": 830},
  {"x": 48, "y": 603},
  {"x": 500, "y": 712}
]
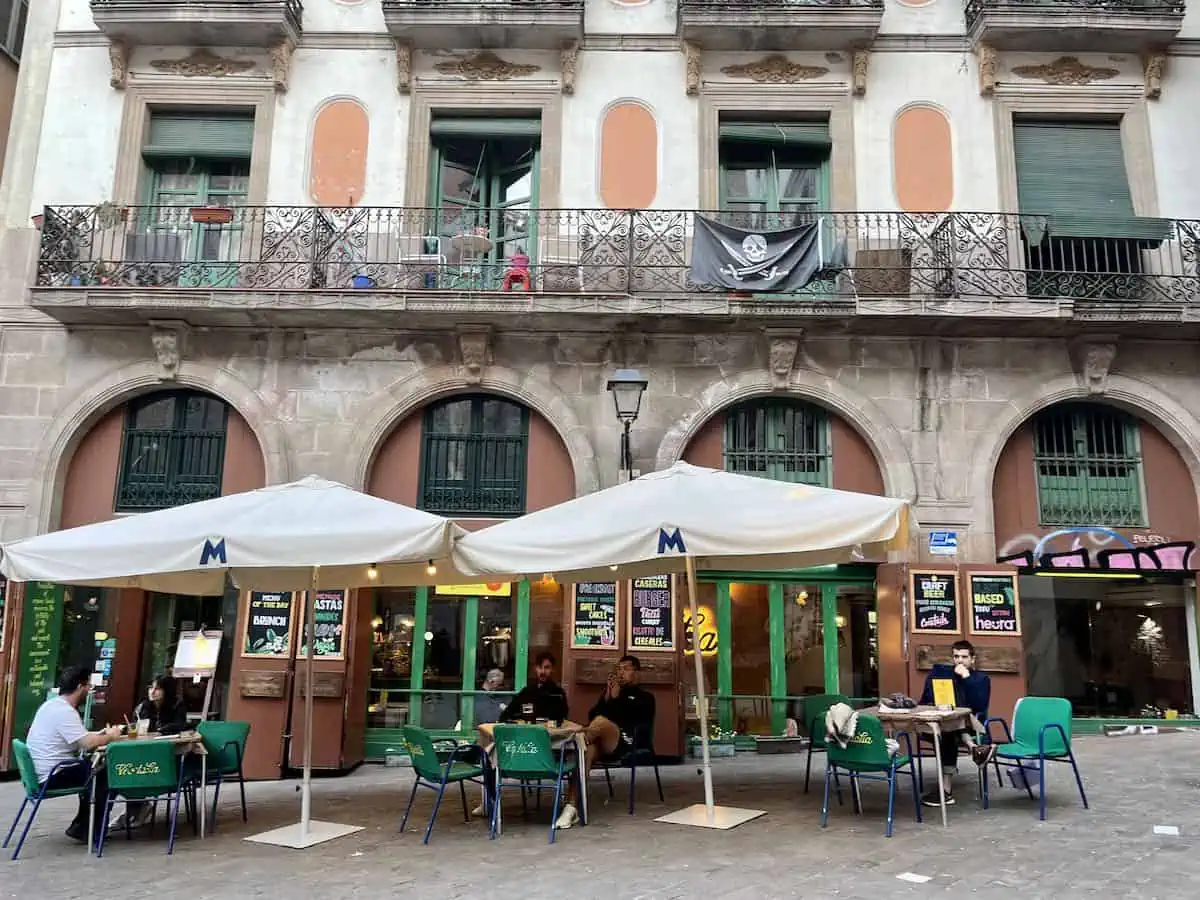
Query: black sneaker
[
  {"x": 77, "y": 833},
  {"x": 931, "y": 799}
]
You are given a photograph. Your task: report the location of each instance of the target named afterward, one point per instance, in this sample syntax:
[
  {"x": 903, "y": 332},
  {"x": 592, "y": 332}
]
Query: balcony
[
  {"x": 780, "y": 24},
  {"x": 199, "y": 23},
  {"x": 1098, "y": 26},
  {"x": 485, "y": 24},
  {"x": 309, "y": 266}
]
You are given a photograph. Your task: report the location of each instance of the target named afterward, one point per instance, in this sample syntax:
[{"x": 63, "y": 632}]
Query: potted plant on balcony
[
  {"x": 110, "y": 215},
  {"x": 211, "y": 215}
]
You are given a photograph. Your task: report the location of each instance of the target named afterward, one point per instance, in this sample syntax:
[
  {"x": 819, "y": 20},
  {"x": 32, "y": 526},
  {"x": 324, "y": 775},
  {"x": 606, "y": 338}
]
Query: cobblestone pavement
[{"x": 1134, "y": 783}]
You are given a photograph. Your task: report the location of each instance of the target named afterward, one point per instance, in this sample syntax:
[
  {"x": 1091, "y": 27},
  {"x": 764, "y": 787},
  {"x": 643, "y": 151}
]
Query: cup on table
[
  {"x": 527, "y": 711},
  {"x": 143, "y": 727}
]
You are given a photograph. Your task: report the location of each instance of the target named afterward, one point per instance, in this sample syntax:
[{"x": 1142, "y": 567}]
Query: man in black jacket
[
  {"x": 623, "y": 715},
  {"x": 544, "y": 699}
]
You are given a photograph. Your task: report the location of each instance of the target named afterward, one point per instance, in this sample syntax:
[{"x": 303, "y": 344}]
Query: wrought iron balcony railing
[
  {"x": 293, "y": 8},
  {"x": 969, "y": 255},
  {"x": 1117, "y": 8},
  {"x": 741, "y": 7}
]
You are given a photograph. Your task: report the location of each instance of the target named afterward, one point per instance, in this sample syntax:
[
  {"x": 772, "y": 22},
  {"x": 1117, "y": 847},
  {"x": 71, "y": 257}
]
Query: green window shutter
[
  {"x": 485, "y": 127},
  {"x": 181, "y": 134},
  {"x": 802, "y": 134},
  {"x": 784, "y": 440}
]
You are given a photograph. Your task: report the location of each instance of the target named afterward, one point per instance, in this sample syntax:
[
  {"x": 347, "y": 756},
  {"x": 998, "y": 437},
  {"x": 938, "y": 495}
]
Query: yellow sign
[
  {"x": 943, "y": 692},
  {"x": 492, "y": 589},
  {"x": 707, "y": 631}
]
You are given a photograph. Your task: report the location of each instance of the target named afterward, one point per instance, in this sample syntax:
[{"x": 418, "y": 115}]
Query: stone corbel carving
[
  {"x": 782, "y": 350},
  {"x": 691, "y": 53},
  {"x": 475, "y": 346},
  {"x": 403, "y": 68},
  {"x": 168, "y": 339},
  {"x": 118, "y": 58},
  {"x": 862, "y": 59},
  {"x": 1092, "y": 358},
  {"x": 281, "y": 64},
  {"x": 1153, "y": 65},
  {"x": 987, "y": 69},
  {"x": 570, "y": 59}
]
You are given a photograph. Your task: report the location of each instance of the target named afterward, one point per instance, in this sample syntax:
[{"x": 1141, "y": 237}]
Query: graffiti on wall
[{"x": 1101, "y": 549}]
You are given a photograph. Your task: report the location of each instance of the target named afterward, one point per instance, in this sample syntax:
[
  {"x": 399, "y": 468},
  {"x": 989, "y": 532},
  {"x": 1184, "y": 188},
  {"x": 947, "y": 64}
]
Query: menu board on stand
[
  {"x": 934, "y": 599},
  {"x": 41, "y": 629},
  {"x": 594, "y": 619},
  {"x": 329, "y": 630},
  {"x": 652, "y": 613},
  {"x": 994, "y": 604},
  {"x": 195, "y": 658},
  {"x": 268, "y": 624}
]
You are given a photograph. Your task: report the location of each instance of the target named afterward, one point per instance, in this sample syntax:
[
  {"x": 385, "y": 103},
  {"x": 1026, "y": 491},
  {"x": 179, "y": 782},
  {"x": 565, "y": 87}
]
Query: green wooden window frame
[
  {"x": 179, "y": 463},
  {"x": 1088, "y": 466},
  {"x": 779, "y": 438},
  {"x": 475, "y": 470},
  {"x": 750, "y": 146}
]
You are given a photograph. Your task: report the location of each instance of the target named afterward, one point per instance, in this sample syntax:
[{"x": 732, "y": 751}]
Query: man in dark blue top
[{"x": 973, "y": 690}]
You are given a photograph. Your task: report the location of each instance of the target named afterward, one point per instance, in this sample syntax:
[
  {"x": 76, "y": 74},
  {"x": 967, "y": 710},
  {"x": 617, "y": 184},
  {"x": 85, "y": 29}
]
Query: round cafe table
[{"x": 559, "y": 735}]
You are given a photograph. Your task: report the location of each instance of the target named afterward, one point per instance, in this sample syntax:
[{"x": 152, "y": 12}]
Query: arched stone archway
[
  {"x": 383, "y": 412},
  {"x": 883, "y": 438},
  {"x": 81, "y": 412}
]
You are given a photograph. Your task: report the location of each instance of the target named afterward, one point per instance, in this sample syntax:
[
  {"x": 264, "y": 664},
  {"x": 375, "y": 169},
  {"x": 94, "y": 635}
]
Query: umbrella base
[
  {"x": 291, "y": 835},
  {"x": 723, "y": 818}
]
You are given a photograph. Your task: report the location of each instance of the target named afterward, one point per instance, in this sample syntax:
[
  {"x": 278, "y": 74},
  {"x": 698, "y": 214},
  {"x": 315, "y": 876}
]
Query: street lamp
[{"x": 627, "y": 387}]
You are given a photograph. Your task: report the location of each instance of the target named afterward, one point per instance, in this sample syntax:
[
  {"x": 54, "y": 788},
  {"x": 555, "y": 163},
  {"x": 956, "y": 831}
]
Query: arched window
[
  {"x": 787, "y": 440},
  {"x": 474, "y": 452},
  {"x": 172, "y": 451},
  {"x": 1088, "y": 462}
]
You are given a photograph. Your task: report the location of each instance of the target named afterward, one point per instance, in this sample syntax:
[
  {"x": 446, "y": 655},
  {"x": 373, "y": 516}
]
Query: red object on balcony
[{"x": 212, "y": 215}]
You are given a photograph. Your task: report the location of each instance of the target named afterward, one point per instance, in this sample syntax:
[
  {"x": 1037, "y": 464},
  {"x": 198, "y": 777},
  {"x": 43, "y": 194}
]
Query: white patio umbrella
[
  {"x": 306, "y": 535},
  {"x": 685, "y": 519}
]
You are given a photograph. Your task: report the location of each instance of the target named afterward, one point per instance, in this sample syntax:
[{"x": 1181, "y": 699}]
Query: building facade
[{"x": 404, "y": 245}]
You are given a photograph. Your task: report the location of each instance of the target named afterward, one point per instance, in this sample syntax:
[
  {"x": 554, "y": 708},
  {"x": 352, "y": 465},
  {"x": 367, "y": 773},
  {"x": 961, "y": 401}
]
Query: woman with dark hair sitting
[{"x": 166, "y": 714}]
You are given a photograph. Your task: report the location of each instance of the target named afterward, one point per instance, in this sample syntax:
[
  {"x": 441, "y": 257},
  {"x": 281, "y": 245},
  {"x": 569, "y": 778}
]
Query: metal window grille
[
  {"x": 475, "y": 464},
  {"x": 784, "y": 440}
]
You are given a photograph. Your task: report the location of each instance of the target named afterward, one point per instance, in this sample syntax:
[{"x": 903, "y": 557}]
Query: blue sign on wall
[{"x": 943, "y": 543}]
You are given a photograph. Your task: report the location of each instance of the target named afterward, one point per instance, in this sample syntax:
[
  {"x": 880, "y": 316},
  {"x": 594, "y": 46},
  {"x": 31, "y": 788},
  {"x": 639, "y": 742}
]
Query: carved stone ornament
[
  {"x": 1092, "y": 358},
  {"x": 691, "y": 53},
  {"x": 202, "y": 62},
  {"x": 1154, "y": 64},
  {"x": 987, "y": 69},
  {"x": 118, "y": 58},
  {"x": 281, "y": 64},
  {"x": 475, "y": 346},
  {"x": 782, "y": 350},
  {"x": 862, "y": 60},
  {"x": 168, "y": 340},
  {"x": 1066, "y": 70},
  {"x": 570, "y": 61},
  {"x": 403, "y": 67},
  {"x": 485, "y": 66},
  {"x": 775, "y": 69}
]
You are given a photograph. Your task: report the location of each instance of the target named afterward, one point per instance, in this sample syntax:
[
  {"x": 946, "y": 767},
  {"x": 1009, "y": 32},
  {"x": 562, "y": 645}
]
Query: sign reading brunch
[
  {"x": 934, "y": 602},
  {"x": 268, "y": 624},
  {"x": 994, "y": 606}
]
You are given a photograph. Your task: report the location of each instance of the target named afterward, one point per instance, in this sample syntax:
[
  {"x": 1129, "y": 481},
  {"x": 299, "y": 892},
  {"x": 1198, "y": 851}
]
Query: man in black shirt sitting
[
  {"x": 544, "y": 699},
  {"x": 623, "y": 710}
]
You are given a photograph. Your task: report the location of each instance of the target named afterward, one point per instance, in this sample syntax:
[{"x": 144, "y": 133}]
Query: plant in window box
[
  {"x": 211, "y": 215},
  {"x": 720, "y": 743}
]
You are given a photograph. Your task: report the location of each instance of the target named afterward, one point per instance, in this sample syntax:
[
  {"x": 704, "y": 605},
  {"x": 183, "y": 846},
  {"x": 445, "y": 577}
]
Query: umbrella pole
[
  {"x": 701, "y": 699},
  {"x": 310, "y": 604}
]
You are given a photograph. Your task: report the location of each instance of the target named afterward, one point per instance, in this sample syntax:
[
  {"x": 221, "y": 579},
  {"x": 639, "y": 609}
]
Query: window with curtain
[
  {"x": 172, "y": 451},
  {"x": 787, "y": 440},
  {"x": 1088, "y": 463},
  {"x": 474, "y": 453}
]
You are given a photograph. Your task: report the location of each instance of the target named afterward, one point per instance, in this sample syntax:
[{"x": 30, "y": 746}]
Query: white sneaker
[
  {"x": 567, "y": 818},
  {"x": 478, "y": 812}
]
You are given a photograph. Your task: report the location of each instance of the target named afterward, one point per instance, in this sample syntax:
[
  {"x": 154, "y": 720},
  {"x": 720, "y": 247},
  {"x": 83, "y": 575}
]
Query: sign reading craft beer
[
  {"x": 934, "y": 598},
  {"x": 994, "y": 604},
  {"x": 652, "y": 614},
  {"x": 594, "y": 623}
]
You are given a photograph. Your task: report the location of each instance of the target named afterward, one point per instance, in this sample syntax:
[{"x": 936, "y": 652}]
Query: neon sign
[{"x": 707, "y": 629}]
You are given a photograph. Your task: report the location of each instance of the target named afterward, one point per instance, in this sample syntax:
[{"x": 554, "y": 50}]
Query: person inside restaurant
[
  {"x": 972, "y": 689},
  {"x": 622, "y": 715},
  {"x": 57, "y": 737},
  {"x": 544, "y": 699},
  {"x": 490, "y": 704},
  {"x": 165, "y": 713}
]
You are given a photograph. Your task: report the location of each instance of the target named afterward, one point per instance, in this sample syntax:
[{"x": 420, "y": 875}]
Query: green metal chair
[
  {"x": 1041, "y": 730},
  {"x": 866, "y": 757},
  {"x": 225, "y": 744},
  {"x": 525, "y": 756},
  {"x": 813, "y": 714},
  {"x": 36, "y": 792},
  {"x": 431, "y": 772},
  {"x": 140, "y": 772}
]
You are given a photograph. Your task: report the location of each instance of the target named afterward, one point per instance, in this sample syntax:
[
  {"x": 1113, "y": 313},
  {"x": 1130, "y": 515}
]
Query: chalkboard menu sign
[
  {"x": 330, "y": 629},
  {"x": 994, "y": 603},
  {"x": 595, "y": 622},
  {"x": 41, "y": 630},
  {"x": 652, "y": 614},
  {"x": 934, "y": 603},
  {"x": 268, "y": 624}
]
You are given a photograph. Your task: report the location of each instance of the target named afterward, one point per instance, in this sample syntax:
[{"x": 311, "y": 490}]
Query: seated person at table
[
  {"x": 544, "y": 699},
  {"x": 57, "y": 735},
  {"x": 489, "y": 705},
  {"x": 972, "y": 689},
  {"x": 624, "y": 708},
  {"x": 166, "y": 714}
]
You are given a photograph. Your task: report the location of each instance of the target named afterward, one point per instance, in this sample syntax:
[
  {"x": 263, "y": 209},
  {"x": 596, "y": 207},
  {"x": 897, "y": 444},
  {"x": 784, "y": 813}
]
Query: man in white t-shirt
[{"x": 57, "y": 737}]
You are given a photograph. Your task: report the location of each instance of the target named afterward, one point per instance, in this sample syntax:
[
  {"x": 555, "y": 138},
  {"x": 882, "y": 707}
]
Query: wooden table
[
  {"x": 928, "y": 720},
  {"x": 185, "y": 742},
  {"x": 559, "y": 735}
]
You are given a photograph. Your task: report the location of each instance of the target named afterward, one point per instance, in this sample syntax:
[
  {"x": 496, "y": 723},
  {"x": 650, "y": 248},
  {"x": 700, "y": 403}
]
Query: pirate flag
[{"x": 754, "y": 261}]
